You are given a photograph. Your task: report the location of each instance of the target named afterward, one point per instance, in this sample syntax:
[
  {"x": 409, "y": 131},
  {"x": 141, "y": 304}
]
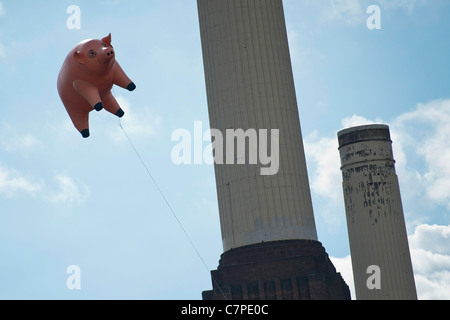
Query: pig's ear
[
  {"x": 107, "y": 40},
  {"x": 78, "y": 56}
]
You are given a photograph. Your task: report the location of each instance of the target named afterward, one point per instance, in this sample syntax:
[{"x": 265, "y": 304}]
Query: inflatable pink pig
[{"x": 86, "y": 79}]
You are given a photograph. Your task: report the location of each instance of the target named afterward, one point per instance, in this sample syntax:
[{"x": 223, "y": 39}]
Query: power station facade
[
  {"x": 271, "y": 250},
  {"x": 376, "y": 225}
]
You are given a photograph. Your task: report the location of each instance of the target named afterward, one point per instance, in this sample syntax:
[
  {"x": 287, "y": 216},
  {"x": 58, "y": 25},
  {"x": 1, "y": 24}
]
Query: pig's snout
[{"x": 107, "y": 54}]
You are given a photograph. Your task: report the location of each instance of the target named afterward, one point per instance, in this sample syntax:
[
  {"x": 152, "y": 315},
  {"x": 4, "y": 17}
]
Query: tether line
[{"x": 170, "y": 207}]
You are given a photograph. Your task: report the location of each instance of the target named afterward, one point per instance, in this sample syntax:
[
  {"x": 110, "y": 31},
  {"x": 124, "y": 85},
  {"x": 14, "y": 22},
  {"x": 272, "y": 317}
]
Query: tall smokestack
[
  {"x": 380, "y": 255},
  {"x": 267, "y": 222}
]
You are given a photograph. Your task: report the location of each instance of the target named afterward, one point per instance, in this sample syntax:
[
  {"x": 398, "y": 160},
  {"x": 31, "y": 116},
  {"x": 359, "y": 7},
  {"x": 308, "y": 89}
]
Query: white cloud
[
  {"x": 344, "y": 267},
  {"x": 19, "y": 142},
  {"x": 407, "y": 5},
  {"x": 69, "y": 193},
  {"x": 293, "y": 41},
  {"x": 323, "y": 152},
  {"x": 354, "y": 12},
  {"x": 175, "y": 62},
  {"x": 356, "y": 120},
  {"x": 142, "y": 123},
  {"x": 2, "y": 51},
  {"x": 423, "y": 133},
  {"x": 112, "y": 2},
  {"x": 349, "y": 11},
  {"x": 433, "y": 287},
  {"x": 13, "y": 183},
  {"x": 2, "y": 47},
  {"x": 430, "y": 254},
  {"x": 325, "y": 177},
  {"x": 11, "y": 140},
  {"x": 432, "y": 238}
]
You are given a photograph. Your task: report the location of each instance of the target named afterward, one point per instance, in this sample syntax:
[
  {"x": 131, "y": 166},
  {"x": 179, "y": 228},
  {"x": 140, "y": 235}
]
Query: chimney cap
[{"x": 364, "y": 133}]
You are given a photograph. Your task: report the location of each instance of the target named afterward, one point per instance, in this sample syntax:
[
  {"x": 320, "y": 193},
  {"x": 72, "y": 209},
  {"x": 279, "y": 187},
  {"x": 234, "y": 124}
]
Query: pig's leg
[
  {"x": 90, "y": 93},
  {"x": 81, "y": 122},
  {"x": 110, "y": 103},
  {"x": 121, "y": 79}
]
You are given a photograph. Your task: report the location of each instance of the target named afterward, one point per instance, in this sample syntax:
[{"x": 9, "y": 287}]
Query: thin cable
[{"x": 170, "y": 207}]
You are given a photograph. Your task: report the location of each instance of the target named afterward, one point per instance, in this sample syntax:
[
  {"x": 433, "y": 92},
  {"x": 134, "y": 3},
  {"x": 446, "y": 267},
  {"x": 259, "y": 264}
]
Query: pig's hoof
[
  {"x": 120, "y": 113},
  {"x": 131, "y": 86},
  {"x": 98, "y": 106},
  {"x": 85, "y": 133}
]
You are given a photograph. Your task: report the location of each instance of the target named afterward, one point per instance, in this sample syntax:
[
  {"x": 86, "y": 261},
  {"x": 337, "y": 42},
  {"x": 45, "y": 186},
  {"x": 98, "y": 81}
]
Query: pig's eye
[{"x": 92, "y": 54}]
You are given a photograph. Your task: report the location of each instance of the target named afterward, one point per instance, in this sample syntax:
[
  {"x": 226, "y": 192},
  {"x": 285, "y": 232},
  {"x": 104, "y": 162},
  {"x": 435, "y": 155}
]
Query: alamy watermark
[
  {"x": 73, "y": 282},
  {"x": 374, "y": 281},
  {"x": 234, "y": 146},
  {"x": 374, "y": 21},
  {"x": 73, "y": 22}
]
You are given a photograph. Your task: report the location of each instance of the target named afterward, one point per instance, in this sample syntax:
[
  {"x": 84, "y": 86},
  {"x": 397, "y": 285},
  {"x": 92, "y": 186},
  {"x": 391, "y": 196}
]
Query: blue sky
[{"x": 68, "y": 201}]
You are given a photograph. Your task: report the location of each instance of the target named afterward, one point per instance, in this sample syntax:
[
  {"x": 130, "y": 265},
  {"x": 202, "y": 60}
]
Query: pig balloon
[{"x": 86, "y": 79}]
